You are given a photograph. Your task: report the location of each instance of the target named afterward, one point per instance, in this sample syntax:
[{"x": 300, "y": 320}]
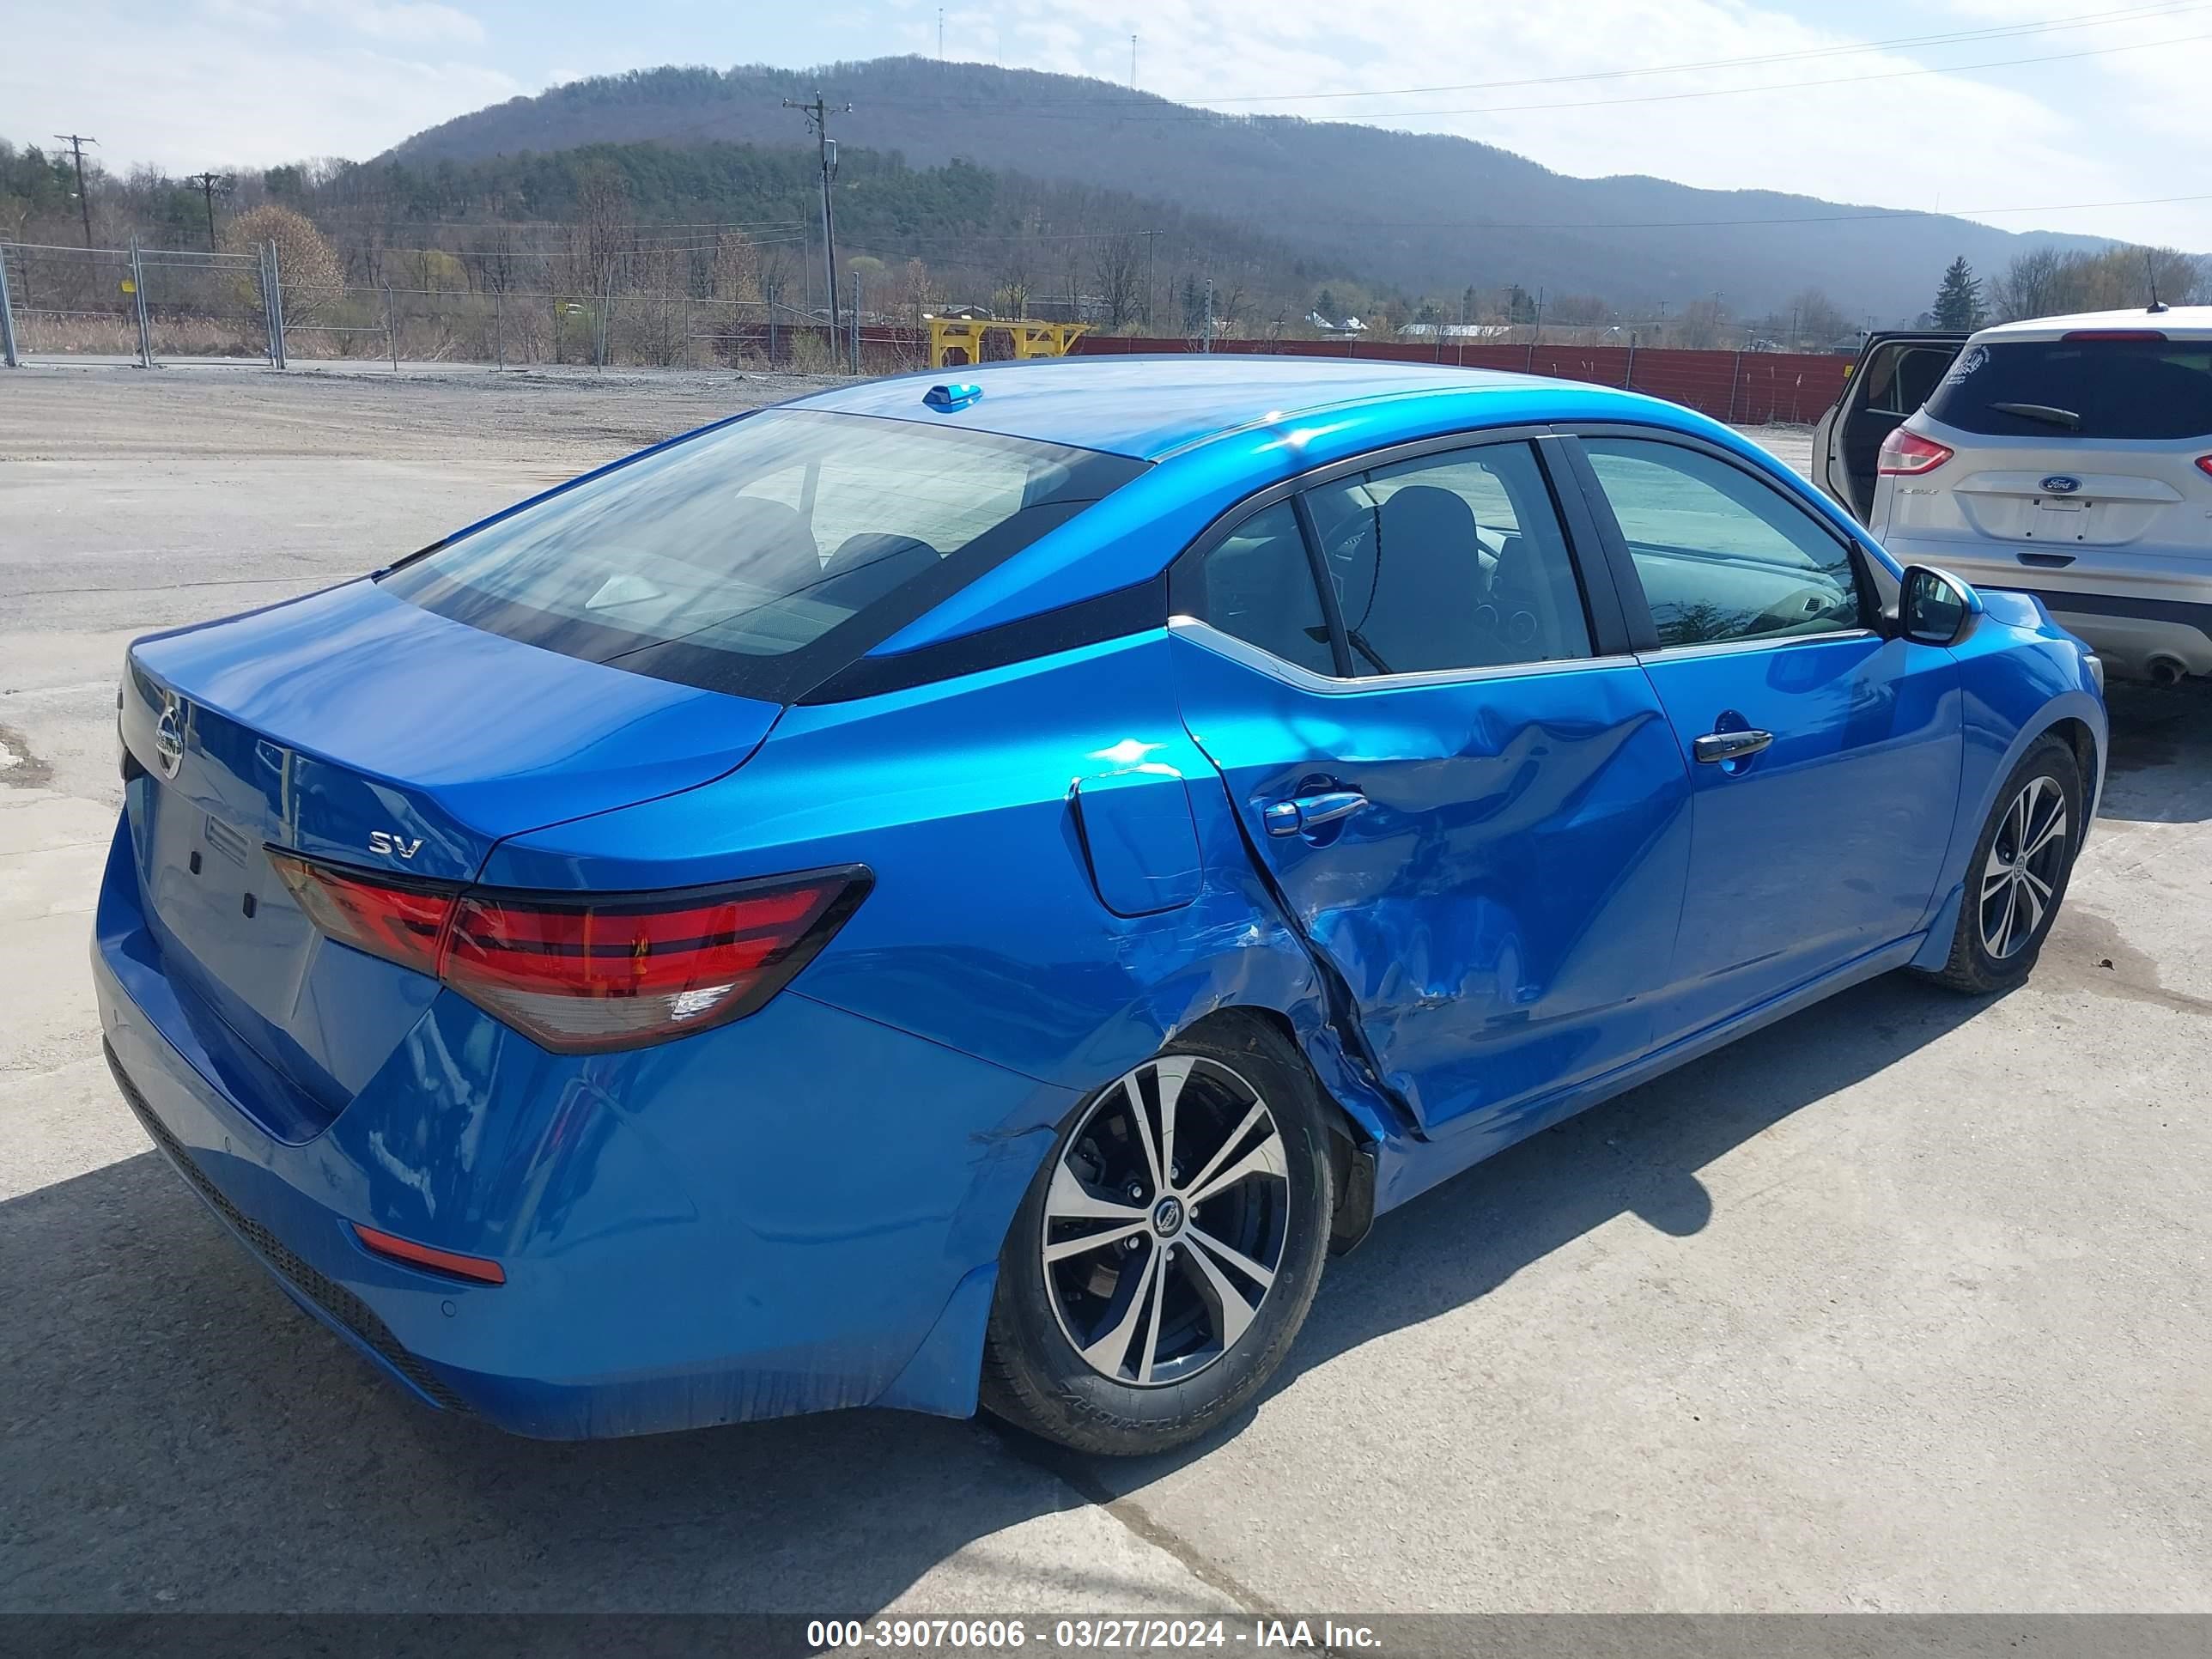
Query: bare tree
[
  {"x": 916, "y": 293},
  {"x": 2030, "y": 286},
  {"x": 1817, "y": 320},
  {"x": 1011, "y": 289},
  {"x": 1118, "y": 272},
  {"x": 602, "y": 231}
]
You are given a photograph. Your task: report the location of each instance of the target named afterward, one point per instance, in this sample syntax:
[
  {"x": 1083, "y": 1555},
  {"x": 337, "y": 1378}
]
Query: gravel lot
[{"x": 1898, "y": 1305}]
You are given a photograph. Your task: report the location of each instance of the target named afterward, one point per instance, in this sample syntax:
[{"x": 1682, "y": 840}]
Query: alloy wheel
[
  {"x": 2026, "y": 859},
  {"x": 1165, "y": 1220}
]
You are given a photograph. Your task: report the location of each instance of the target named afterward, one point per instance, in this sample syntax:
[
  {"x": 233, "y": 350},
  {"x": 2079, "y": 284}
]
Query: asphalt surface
[{"x": 1897, "y": 1305}]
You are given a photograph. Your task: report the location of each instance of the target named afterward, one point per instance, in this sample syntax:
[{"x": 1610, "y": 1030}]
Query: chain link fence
[
  {"x": 168, "y": 305},
  {"x": 143, "y": 303},
  {"x": 647, "y": 310}
]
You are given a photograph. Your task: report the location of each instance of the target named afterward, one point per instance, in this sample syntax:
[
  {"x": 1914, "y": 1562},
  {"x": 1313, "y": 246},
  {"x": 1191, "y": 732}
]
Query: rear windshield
[
  {"x": 2118, "y": 389},
  {"x": 763, "y": 555}
]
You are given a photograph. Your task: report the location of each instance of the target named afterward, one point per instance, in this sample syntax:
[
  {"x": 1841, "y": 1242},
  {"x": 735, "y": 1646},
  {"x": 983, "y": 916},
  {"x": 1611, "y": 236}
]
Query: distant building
[
  {"x": 1453, "y": 330},
  {"x": 1349, "y": 326}
]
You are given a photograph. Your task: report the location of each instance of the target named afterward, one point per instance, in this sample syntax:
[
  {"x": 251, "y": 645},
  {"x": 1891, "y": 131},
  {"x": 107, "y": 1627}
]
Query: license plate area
[{"x": 2059, "y": 521}]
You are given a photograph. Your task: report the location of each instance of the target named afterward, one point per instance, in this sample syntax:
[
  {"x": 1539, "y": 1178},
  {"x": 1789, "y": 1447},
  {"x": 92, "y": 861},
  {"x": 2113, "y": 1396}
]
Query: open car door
[{"x": 1896, "y": 373}]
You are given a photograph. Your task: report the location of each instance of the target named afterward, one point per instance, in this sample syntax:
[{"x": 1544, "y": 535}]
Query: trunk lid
[{"x": 358, "y": 728}]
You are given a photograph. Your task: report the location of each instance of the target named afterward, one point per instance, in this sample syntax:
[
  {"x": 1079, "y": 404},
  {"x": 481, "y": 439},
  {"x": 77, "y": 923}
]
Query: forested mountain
[
  {"x": 959, "y": 231},
  {"x": 1426, "y": 214}
]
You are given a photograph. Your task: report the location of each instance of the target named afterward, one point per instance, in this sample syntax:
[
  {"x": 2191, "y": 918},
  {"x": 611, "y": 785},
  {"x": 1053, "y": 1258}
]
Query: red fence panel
[{"x": 1748, "y": 387}]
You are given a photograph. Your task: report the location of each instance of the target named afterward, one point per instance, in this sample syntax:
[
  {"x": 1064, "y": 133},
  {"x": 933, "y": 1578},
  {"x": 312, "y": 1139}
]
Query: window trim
[
  {"x": 1643, "y": 633},
  {"x": 1203, "y": 632},
  {"x": 1596, "y": 580}
]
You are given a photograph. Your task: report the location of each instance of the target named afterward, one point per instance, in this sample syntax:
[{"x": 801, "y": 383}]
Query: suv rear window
[
  {"x": 2112, "y": 389},
  {"x": 763, "y": 555}
]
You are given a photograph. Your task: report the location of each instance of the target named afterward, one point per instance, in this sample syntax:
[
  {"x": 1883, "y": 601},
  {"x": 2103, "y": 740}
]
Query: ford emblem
[
  {"x": 169, "y": 738},
  {"x": 2059, "y": 484}
]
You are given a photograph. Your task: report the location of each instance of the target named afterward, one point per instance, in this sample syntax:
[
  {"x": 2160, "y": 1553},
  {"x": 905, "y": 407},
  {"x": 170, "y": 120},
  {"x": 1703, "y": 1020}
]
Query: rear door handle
[
  {"x": 1729, "y": 745},
  {"x": 1302, "y": 814}
]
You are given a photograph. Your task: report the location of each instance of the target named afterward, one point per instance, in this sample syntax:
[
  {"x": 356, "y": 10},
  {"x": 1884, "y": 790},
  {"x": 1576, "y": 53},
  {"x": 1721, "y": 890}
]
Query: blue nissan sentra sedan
[{"x": 957, "y": 892}]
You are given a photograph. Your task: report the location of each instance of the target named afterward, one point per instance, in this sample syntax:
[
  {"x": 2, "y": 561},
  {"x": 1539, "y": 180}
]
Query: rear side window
[
  {"x": 2111, "y": 389},
  {"x": 1901, "y": 377},
  {"x": 1260, "y": 587},
  {"x": 752, "y": 556},
  {"x": 1451, "y": 560}
]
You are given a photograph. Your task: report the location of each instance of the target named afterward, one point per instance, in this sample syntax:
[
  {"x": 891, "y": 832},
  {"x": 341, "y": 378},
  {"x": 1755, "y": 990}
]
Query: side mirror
[{"x": 1933, "y": 607}]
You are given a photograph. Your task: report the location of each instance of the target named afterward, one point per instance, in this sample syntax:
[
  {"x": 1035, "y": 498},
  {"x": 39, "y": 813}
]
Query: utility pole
[
  {"x": 1133, "y": 63},
  {"x": 817, "y": 117},
  {"x": 77, "y": 144},
  {"x": 209, "y": 183},
  {"x": 940, "y": 34},
  {"x": 1148, "y": 279}
]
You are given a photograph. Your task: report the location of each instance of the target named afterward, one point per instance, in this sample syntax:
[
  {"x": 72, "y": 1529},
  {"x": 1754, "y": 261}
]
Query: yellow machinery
[{"x": 965, "y": 335}]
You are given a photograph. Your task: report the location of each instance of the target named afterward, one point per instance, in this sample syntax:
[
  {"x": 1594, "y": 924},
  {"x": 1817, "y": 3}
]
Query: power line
[
  {"x": 1167, "y": 113},
  {"x": 1698, "y": 224}
]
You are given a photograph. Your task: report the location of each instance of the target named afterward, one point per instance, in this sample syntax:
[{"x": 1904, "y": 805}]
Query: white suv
[{"x": 2069, "y": 457}]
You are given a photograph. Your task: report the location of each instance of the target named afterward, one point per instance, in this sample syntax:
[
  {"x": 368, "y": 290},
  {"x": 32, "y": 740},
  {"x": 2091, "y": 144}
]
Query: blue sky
[{"x": 2089, "y": 137}]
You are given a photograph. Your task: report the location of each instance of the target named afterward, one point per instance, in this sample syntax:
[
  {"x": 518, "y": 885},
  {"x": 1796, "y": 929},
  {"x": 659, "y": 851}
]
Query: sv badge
[{"x": 383, "y": 841}]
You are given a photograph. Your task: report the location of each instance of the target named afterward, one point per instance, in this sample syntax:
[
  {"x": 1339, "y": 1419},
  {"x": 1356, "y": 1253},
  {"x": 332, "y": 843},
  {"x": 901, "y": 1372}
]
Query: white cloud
[
  {"x": 260, "y": 81},
  {"x": 411, "y": 22}
]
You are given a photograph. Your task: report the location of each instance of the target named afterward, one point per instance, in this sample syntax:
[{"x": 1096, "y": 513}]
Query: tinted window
[
  {"x": 723, "y": 555},
  {"x": 1722, "y": 555},
  {"x": 2080, "y": 388},
  {"x": 1901, "y": 377},
  {"x": 1259, "y": 586},
  {"x": 1451, "y": 560}
]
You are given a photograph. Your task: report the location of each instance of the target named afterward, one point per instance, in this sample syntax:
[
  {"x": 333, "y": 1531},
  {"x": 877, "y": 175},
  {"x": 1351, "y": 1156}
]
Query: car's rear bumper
[
  {"x": 2136, "y": 639},
  {"x": 798, "y": 1212},
  {"x": 2168, "y": 621}
]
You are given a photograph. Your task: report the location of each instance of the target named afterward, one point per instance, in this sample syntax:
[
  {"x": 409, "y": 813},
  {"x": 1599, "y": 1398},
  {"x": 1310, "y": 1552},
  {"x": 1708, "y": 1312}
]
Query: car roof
[
  {"x": 1150, "y": 407},
  {"x": 2175, "y": 322}
]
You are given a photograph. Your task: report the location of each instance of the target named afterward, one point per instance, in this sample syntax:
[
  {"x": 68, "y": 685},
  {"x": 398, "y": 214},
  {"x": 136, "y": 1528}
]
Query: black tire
[
  {"x": 1975, "y": 967},
  {"x": 1034, "y": 1375}
]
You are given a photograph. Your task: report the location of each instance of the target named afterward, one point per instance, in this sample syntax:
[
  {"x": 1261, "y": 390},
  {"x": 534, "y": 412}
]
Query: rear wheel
[
  {"x": 2019, "y": 871},
  {"x": 1167, "y": 1253}
]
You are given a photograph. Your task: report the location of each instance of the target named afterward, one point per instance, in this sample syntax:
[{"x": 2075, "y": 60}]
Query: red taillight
[
  {"x": 577, "y": 974},
  {"x": 2109, "y": 334},
  {"x": 1905, "y": 454},
  {"x": 479, "y": 1268},
  {"x": 616, "y": 972},
  {"x": 2204, "y": 463},
  {"x": 401, "y": 922}
]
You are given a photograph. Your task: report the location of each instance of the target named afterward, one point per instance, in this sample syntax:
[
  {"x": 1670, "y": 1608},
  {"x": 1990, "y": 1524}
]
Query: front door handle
[
  {"x": 1716, "y": 746},
  {"x": 1301, "y": 814}
]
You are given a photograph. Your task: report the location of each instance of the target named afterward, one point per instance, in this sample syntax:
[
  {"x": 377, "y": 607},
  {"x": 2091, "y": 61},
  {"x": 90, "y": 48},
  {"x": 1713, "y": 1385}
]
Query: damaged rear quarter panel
[{"x": 985, "y": 931}]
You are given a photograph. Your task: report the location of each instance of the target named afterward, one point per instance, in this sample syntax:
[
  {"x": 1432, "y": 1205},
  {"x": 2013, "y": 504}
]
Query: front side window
[
  {"x": 1722, "y": 555},
  {"x": 722, "y": 560},
  {"x": 1451, "y": 560}
]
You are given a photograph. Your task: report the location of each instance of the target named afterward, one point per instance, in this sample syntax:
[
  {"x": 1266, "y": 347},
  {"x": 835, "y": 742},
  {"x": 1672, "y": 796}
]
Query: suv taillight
[
  {"x": 1906, "y": 453},
  {"x": 2204, "y": 463},
  {"x": 579, "y": 973}
]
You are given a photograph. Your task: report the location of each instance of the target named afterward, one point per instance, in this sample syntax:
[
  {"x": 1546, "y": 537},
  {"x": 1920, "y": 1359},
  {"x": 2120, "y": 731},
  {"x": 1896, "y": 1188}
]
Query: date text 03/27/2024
[{"x": 1083, "y": 1635}]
